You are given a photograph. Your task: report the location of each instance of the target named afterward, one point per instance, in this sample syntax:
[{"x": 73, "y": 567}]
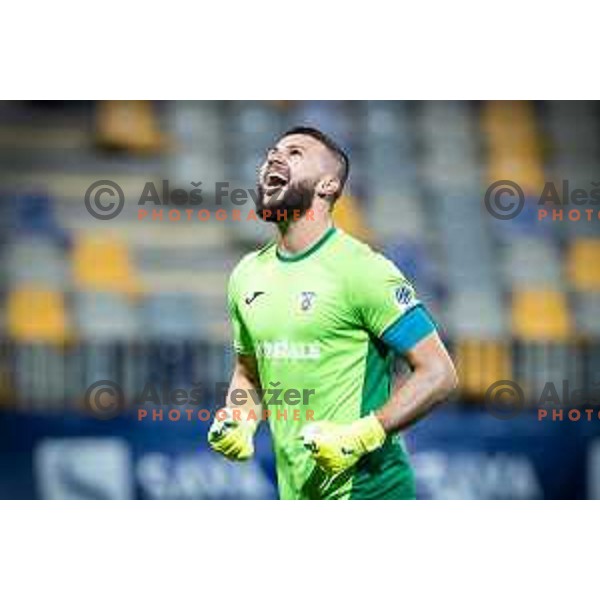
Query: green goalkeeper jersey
[{"x": 314, "y": 321}]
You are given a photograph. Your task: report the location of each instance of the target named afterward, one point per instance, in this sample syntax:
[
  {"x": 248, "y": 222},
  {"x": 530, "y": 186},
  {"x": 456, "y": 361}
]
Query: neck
[{"x": 297, "y": 236}]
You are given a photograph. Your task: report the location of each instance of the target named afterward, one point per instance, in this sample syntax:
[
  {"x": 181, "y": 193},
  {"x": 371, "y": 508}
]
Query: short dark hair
[{"x": 340, "y": 155}]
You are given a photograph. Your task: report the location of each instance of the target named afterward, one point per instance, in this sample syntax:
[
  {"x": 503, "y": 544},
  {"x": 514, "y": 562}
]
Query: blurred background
[{"x": 143, "y": 301}]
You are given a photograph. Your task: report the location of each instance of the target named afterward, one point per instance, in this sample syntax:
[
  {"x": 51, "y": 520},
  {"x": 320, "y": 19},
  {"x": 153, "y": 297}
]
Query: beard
[{"x": 297, "y": 197}]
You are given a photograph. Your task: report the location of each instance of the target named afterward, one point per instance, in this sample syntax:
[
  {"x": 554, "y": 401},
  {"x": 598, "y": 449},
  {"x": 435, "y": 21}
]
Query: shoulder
[
  {"x": 251, "y": 261},
  {"x": 362, "y": 261}
]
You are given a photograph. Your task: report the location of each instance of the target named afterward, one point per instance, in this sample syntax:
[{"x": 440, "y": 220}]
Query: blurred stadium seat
[
  {"x": 101, "y": 263},
  {"x": 584, "y": 264},
  {"x": 105, "y": 316},
  {"x": 129, "y": 125},
  {"x": 348, "y": 216},
  {"x": 37, "y": 314},
  {"x": 479, "y": 363},
  {"x": 36, "y": 260},
  {"x": 173, "y": 316},
  {"x": 35, "y": 216},
  {"x": 541, "y": 315}
]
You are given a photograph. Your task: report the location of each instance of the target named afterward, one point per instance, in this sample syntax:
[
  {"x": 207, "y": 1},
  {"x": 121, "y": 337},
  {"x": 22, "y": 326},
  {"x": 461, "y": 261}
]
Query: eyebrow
[{"x": 290, "y": 147}]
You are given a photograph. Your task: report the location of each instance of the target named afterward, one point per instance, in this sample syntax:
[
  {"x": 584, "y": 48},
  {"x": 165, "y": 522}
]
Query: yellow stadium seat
[
  {"x": 541, "y": 315},
  {"x": 513, "y": 136},
  {"x": 583, "y": 264},
  {"x": 525, "y": 148},
  {"x": 348, "y": 216},
  {"x": 498, "y": 115},
  {"x": 36, "y": 314},
  {"x": 481, "y": 363},
  {"x": 528, "y": 175},
  {"x": 282, "y": 104},
  {"x": 514, "y": 146},
  {"x": 128, "y": 125},
  {"x": 102, "y": 264}
]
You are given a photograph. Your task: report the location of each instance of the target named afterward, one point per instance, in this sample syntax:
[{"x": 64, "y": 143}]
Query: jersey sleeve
[
  {"x": 381, "y": 294},
  {"x": 242, "y": 343}
]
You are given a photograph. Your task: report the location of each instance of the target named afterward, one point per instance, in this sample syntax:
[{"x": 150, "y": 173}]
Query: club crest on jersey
[{"x": 307, "y": 300}]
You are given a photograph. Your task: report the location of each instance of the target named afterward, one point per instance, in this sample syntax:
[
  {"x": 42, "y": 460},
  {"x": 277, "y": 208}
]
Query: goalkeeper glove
[
  {"x": 336, "y": 448},
  {"x": 232, "y": 437}
]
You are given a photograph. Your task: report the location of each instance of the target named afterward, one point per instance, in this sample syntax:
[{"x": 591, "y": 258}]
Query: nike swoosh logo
[{"x": 251, "y": 299}]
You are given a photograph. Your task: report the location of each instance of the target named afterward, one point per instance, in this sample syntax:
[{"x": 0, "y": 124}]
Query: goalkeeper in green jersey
[{"x": 318, "y": 310}]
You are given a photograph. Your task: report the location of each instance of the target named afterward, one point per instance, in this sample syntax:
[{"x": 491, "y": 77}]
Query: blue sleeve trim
[{"x": 409, "y": 329}]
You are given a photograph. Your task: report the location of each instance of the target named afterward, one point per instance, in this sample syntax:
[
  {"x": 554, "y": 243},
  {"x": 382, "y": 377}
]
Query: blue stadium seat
[
  {"x": 34, "y": 215},
  {"x": 173, "y": 324},
  {"x": 36, "y": 260},
  {"x": 102, "y": 316},
  {"x": 332, "y": 117},
  {"x": 172, "y": 316}
]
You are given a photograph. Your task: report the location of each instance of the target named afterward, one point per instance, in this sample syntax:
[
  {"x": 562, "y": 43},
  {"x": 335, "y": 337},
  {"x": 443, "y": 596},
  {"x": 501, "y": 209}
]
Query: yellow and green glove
[
  {"x": 233, "y": 438},
  {"x": 336, "y": 448}
]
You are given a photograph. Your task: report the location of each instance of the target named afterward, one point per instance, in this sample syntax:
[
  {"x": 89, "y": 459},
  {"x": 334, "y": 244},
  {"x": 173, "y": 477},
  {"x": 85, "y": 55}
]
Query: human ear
[{"x": 328, "y": 187}]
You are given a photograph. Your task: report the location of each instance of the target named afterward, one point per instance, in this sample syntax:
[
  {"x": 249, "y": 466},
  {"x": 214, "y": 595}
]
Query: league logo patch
[
  {"x": 404, "y": 295},
  {"x": 307, "y": 300}
]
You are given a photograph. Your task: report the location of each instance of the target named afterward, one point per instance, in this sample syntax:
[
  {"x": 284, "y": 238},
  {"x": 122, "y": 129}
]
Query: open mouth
[{"x": 274, "y": 182}]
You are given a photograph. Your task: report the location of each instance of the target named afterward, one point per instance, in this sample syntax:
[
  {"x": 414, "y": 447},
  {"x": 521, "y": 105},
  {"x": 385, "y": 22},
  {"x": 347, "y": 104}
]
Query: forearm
[
  {"x": 232, "y": 432},
  {"x": 244, "y": 388},
  {"x": 415, "y": 397}
]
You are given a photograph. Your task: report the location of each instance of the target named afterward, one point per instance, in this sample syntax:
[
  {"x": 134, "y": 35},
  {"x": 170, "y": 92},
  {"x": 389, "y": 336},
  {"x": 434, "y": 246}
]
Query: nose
[{"x": 275, "y": 157}]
